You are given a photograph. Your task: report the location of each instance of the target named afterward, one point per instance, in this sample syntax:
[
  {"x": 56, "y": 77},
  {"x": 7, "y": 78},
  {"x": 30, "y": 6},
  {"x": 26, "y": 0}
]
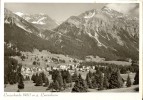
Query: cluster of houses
[{"x": 29, "y": 71}]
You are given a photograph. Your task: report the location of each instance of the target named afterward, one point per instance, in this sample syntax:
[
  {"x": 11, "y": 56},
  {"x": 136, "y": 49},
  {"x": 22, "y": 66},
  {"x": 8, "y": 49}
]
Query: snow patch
[
  {"x": 27, "y": 18},
  {"x": 39, "y": 21},
  {"x": 89, "y": 34},
  {"x": 99, "y": 43},
  {"x": 108, "y": 9},
  {"x": 6, "y": 21},
  {"x": 23, "y": 27},
  {"x": 41, "y": 35},
  {"x": 19, "y": 14},
  {"x": 96, "y": 38}
]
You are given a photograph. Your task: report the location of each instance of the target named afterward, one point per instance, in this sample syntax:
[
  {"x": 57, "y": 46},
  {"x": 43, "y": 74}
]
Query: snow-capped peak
[
  {"x": 19, "y": 14},
  {"x": 107, "y": 8}
]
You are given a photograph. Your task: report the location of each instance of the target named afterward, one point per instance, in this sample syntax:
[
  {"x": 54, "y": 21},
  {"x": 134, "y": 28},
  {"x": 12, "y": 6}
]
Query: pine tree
[
  {"x": 120, "y": 79},
  {"x": 64, "y": 84},
  {"x": 108, "y": 72},
  {"x": 80, "y": 77},
  {"x": 113, "y": 82},
  {"x": 85, "y": 86},
  {"x": 100, "y": 80},
  {"x": 43, "y": 77},
  {"x": 18, "y": 90},
  {"x": 90, "y": 74},
  {"x": 51, "y": 85},
  {"x": 116, "y": 81},
  {"x": 35, "y": 77},
  {"x": 74, "y": 77},
  {"x": 88, "y": 81},
  {"x": 46, "y": 82},
  {"x": 80, "y": 85},
  {"x": 54, "y": 74},
  {"x": 56, "y": 86},
  {"x": 5, "y": 80},
  {"x": 59, "y": 79},
  {"x": 20, "y": 81},
  {"x": 11, "y": 78},
  {"x": 128, "y": 84},
  {"x": 105, "y": 83},
  {"x": 94, "y": 80},
  {"x": 136, "y": 79},
  {"x": 106, "y": 79},
  {"x": 28, "y": 78},
  {"x": 69, "y": 78},
  {"x": 39, "y": 81}
]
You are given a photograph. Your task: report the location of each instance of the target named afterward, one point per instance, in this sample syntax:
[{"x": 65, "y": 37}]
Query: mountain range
[
  {"x": 41, "y": 21},
  {"x": 99, "y": 32}
]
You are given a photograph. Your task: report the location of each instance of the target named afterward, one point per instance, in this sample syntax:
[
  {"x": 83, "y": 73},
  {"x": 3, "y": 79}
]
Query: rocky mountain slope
[
  {"x": 106, "y": 33},
  {"x": 98, "y": 32},
  {"x": 22, "y": 34}
]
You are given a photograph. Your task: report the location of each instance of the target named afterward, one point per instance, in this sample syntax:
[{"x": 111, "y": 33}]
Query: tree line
[
  {"x": 102, "y": 66},
  {"x": 12, "y": 70},
  {"x": 62, "y": 79}
]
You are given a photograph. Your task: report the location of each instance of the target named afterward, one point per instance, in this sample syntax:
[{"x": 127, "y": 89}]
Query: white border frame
[{"x": 84, "y": 96}]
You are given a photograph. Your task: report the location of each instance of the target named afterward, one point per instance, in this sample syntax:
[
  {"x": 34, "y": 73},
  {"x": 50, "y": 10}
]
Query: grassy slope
[
  {"x": 129, "y": 89},
  {"x": 29, "y": 87}
]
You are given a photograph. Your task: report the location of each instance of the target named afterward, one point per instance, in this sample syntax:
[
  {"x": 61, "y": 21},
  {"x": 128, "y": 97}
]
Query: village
[{"x": 38, "y": 62}]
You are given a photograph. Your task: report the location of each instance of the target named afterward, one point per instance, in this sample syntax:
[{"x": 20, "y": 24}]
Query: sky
[
  {"x": 129, "y": 8},
  {"x": 61, "y": 11}
]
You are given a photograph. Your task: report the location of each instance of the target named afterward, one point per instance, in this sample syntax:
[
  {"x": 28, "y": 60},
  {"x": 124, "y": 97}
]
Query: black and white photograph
[{"x": 71, "y": 47}]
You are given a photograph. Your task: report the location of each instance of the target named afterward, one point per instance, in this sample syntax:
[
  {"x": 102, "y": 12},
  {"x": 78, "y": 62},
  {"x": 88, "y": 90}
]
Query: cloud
[{"x": 126, "y": 8}]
